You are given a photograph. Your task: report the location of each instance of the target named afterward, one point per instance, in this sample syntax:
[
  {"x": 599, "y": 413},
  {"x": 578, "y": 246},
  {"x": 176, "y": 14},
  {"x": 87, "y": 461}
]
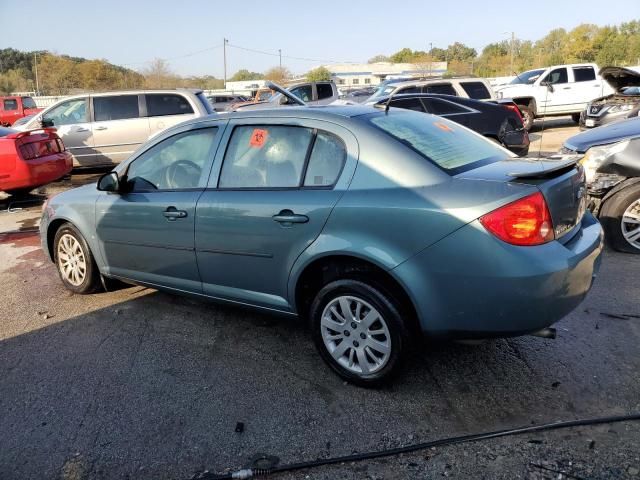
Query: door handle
[
  {"x": 288, "y": 217},
  {"x": 566, "y": 88},
  {"x": 171, "y": 213},
  {"x": 101, "y": 127},
  {"x": 82, "y": 129}
]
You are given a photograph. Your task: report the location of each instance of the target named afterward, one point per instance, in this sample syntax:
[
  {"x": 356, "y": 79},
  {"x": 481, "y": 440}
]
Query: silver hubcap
[
  {"x": 71, "y": 261},
  {"x": 631, "y": 224},
  {"x": 356, "y": 335}
]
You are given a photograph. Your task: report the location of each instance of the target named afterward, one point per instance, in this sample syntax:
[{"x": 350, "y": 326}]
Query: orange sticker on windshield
[
  {"x": 258, "y": 137},
  {"x": 443, "y": 126}
]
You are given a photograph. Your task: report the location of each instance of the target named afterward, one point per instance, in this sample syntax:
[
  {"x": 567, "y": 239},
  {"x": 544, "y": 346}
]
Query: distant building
[{"x": 366, "y": 74}]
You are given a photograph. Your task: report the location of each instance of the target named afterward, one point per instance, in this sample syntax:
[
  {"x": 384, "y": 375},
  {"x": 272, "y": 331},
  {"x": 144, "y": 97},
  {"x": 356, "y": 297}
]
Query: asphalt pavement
[{"x": 140, "y": 384}]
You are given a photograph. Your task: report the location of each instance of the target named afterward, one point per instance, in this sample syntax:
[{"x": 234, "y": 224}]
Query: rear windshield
[{"x": 448, "y": 145}]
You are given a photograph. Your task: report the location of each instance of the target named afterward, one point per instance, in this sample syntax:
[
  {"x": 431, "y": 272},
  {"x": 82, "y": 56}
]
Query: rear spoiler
[
  {"x": 48, "y": 130},
  {"x": 545, "y": 170}
]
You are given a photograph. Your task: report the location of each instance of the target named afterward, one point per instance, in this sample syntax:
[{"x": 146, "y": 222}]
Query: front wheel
[
  {"x": 358, "y": 332},
  {"x": 620, "y": 218},
  {"x": 74, "y": 261}
]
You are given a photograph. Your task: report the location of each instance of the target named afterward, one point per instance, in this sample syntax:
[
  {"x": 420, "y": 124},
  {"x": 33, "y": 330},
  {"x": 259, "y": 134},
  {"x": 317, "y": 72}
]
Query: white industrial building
[{"x": 365, "y": 74}]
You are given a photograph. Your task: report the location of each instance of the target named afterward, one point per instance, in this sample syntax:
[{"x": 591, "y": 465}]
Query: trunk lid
[{"x": 560, "y": 179}]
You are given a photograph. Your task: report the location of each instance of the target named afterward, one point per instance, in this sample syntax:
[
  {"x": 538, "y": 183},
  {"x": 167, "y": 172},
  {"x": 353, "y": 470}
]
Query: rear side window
[
  {"x": 584, "y": 74},
  {"x": 115, "y": 108},
  {"x": 442, "y": 107},
  {"x": 446, "y": 144},
  {"x": 408, "y": 103},
  {"x": 265, "y": 156},
  {"x": 442, "y": 88},
  {"x": 326, "y": 161},
  {"x": 159, "y": 104},
  {"x": 11, "y": 104},
  {"x": 476, "y": 90},
  {"x": 27, "y": 102},
  {"x": 324, "y": 90}
]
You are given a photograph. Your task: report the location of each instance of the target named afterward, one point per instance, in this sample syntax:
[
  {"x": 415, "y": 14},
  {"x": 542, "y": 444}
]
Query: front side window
[
  {"x": 303, "y": 92},
  {"x": 10, "y": 104},
  {"x": 441, "y": 88},
  {"x": 476, "y": 90},
  {"x": 265, "y": 156},
  {"x": 68, "y": 113},
  {"x": 584, "y": 74},
  {"x": 324, "y": 90},
  {"x": 118, "y": 107},
  {"x": 28, "y": 102},
  {"x": 448, "y": 145},
  {"x": 326, "y": 161},
  {"x": 408, "y": 103},
  {"x": 161, "y": 104},
  {"x": 559, "y": 75},
  {"x": 175, "y": 163}
]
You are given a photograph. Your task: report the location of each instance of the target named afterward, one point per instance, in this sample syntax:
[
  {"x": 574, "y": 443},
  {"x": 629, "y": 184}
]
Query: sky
[{"x": 190, "y": 33}]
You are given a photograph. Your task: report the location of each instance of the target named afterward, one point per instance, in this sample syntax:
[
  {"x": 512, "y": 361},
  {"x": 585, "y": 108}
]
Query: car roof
[
  {"x": 194, "y": 91},
  {"x": 404, "y": 83}
]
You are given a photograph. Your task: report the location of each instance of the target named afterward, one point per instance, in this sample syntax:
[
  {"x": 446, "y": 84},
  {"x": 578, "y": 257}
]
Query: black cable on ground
[{"x": 358, "y": 457}]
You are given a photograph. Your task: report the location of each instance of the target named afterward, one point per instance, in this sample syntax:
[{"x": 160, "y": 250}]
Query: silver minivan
[{"x": 105, "y": 128}]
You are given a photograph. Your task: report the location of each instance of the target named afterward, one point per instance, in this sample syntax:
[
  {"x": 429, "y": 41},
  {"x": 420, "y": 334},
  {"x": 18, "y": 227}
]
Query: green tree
[
  {"x": 579, "y": 44},
  {"x": 378, "y": 58},
  {"x": 244, "y": 74},
  {"x": 318, "y": 74},
  {"x": 277, "y": 74}
]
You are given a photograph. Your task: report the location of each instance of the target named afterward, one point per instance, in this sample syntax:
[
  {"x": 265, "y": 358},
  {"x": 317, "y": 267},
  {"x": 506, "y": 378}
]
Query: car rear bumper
[
  {"x": 38, "y": 171},
  {"x": 472, "y": 285}
]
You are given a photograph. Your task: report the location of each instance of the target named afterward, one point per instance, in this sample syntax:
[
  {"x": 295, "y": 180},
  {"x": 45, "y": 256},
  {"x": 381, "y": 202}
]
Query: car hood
[
  {"x": 611, "y": 133},
  {"x": 619, "y": 77}
]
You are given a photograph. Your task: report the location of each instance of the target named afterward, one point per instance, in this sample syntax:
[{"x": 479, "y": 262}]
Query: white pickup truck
[{"x": 554, "y": 91}]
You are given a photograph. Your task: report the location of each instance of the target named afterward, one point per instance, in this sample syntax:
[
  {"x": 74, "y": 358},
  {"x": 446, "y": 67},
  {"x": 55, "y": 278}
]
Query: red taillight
[
  {"x": 28, "y": 151},
  {"x": 524, "y": 222},
  {"x": 514, "y": 108}
]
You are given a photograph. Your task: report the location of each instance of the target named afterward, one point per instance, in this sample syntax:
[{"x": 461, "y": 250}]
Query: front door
[
  {"x": 147, "y": 232},
  {"x": 276, "y": 188},
  {"x": 118, "y": 127},
  {"x": 71, "y": 118},
  {"x": 557, "y": 94}
]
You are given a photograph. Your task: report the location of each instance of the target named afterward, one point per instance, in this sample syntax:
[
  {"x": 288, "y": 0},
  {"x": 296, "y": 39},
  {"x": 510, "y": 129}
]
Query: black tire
[
  {"x": 527, "y": 116},
  {"x": 20, "y": 192},
  {"x": 384, "y": 304},
  {"x": 611, "y": 218},
  {"x": 575, "y": 117},
  {"x": 90, "y": 282}
]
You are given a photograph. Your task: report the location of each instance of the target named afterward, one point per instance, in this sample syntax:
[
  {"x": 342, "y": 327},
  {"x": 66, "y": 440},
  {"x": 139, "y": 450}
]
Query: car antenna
[{"x": 386, "y": 105}]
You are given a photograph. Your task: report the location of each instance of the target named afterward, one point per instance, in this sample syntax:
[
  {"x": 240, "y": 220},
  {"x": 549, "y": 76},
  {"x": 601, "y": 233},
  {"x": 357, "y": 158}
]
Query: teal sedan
[{"x": 374, "y": 225}]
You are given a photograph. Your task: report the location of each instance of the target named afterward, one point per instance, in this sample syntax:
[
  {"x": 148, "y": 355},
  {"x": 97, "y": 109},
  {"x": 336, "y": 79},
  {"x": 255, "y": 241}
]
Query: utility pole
[
  {"x": 35, "y": 64},
  {"x": 430, "y": 57},
  {"x": 224, "y": 53},
  {"x": 513, "y": 39},
  {"x": 280, "y": 55}
]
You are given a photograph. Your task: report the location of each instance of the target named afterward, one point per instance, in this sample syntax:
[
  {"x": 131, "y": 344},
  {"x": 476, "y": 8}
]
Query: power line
[
  {"x": 191, "y": 54},
  {"x": 276, "y": 54}
]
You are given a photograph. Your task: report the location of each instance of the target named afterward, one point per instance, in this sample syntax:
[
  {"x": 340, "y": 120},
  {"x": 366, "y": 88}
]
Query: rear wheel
[
  {"x": 358, "y": 331},
  {"x": 527, "y": 116},
  {"x": 620, "y": 218},
  {"x": 74, "y": 261}
]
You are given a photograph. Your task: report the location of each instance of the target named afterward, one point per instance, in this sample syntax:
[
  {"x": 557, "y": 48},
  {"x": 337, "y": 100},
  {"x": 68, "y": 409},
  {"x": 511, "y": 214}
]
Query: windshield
[
  {"x": 27, "y": 102},
  {"x": 451, "y": 147},
  {"x": 527, "y": 78},
  {"x": 383, "y": 90}
]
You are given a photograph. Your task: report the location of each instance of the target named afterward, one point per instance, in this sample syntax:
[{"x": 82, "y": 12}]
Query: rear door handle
[
  {"x": 171, "y": 213},
  {"x": 101, "y": 127},
  {"x": 287, "y": 216}
]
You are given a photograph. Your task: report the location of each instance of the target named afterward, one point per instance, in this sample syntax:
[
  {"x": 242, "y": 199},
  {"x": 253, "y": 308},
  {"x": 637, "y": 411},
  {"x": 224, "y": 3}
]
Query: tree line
[{"x": 607, "y": 45}]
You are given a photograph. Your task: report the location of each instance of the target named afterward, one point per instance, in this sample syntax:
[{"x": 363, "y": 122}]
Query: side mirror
[
  {"x": 109, "y": 182},
  {"x": 46, "y": 122},
  {"x": 548, "y": 85}
]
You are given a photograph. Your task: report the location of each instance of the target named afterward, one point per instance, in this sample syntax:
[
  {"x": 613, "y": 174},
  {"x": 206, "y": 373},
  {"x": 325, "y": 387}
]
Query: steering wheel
[{"x": 182, "y": 174}]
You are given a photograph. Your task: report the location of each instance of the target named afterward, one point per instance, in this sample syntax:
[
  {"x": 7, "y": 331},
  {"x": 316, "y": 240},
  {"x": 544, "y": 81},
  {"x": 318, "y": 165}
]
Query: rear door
[
  {"x": 72, "y": 120},
  {"x": 586, "y": 86},
  {"x": 118, "y": 127},
  {"x": 167, "y": 109},
  {"x": 277, "y": 183}
]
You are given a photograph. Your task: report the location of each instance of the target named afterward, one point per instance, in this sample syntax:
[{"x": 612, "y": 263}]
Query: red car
[
  {"x": 31, "y": 159},
  {"x": 14, "y": 108}
]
